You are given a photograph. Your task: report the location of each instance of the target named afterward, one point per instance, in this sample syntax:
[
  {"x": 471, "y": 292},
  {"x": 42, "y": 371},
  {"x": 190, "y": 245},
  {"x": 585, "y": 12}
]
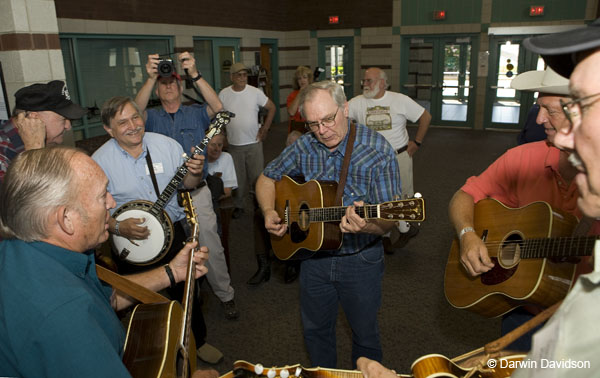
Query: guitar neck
[
  {"x": 221, "y": 120},
  {"x": 335, "y": 213},
  {"x": 558, "y": 247}
]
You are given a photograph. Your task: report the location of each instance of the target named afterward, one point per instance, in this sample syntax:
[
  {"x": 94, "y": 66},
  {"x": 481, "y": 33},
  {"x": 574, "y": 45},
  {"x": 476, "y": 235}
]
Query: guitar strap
[
  {"x": 152, "y": 174},
  {"x": 345, "y": 164},
  {"x": 128, "y": 287}
]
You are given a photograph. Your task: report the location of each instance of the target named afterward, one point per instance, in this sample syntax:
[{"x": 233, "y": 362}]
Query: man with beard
[{"x": 387, "y": 112}]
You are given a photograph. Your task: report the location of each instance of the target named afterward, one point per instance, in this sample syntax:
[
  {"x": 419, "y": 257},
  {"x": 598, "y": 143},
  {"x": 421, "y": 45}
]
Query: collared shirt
[
  {"x": 373, "y": 174},
  {"x": 55, "y": 315},
  {"x": 567, "y": 346},
  {"x": 523, "y": 175},
  {"x": 129, "y": 177},
  {"x": 188, "y": 126},
  {"x": 11, "y": 145}
]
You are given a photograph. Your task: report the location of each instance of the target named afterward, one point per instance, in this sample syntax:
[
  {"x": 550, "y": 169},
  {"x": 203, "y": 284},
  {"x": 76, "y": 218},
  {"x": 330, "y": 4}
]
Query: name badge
[{"x": 158, "y": 168}]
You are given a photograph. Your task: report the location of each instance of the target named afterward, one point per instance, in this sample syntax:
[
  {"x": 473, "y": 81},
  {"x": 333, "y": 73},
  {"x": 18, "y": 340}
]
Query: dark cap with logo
[
  {"x": 53, "y": 96},
  {"x": 559, "y": 49}
]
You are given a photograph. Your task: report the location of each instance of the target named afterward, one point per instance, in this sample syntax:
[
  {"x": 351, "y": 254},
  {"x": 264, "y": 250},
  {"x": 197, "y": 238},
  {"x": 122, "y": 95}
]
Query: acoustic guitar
[
  {"x": 529, "y": 246},
  {"x": 313, "y": 222},
  {"x": 429, "y": 366},
  {"x": 158, "y": 243},
  {"x": 160, "y": 342}
]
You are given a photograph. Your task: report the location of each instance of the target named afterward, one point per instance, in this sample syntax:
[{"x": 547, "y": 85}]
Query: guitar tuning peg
[
  {"x": 271, "y": 373},
  {"x": 258, "y": 369},
  {"x": 284, "y": 373},
  {"x": 418, "y": 195},
  {"x": 298, "y": 371},
  {"x": 184, "y": 155}
]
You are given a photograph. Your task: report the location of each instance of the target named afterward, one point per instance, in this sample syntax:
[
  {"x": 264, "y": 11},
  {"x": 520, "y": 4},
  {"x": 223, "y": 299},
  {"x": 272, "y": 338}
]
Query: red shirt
[{"x": 523, "y": 175}]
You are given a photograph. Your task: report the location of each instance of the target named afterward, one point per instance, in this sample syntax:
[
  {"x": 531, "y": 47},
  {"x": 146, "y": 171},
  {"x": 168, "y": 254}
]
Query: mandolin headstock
[{"x": 409, "y": 210}]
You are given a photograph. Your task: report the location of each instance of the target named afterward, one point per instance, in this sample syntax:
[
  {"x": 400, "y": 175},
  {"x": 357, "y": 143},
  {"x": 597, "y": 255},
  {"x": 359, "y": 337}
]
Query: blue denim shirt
[
  {"x": 188, "y": 127},
  {"x": 55, "y": 315},
  {"x": 373, "y": 174}
]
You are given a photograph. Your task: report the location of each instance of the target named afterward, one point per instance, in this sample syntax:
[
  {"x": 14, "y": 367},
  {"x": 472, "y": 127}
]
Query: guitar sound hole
[
  {"x": 510, "y": 253},
  {"x": 300, "y": 226},
  {"x": 507, "y": 262}
]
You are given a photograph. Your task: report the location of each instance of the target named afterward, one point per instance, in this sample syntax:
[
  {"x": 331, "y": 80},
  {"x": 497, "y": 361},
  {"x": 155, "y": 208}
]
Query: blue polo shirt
[{"x": 55, "y": 315}]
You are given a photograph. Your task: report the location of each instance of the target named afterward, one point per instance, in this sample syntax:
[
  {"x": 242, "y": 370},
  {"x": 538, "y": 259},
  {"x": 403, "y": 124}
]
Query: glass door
[
  {"x": 438, "y": 75},
  {"x": 506, "y": 108},
  {"x": 336, "y": 57},
  {"x": 214, "y": 56}
]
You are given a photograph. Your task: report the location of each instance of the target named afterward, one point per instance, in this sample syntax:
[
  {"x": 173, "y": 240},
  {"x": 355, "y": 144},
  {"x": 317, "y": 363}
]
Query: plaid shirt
[
  {"x": 10, "y": 146},
  {"x": 373, "y": 174}
]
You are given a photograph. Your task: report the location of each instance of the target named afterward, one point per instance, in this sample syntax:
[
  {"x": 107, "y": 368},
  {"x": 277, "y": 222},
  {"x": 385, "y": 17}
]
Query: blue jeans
[{"x": 354, "y": 282}]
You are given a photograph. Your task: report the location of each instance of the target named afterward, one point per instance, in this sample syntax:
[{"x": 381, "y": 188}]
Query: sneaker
[
  {"x": 231, "y": 311},
  {"x": 209, "y": 354}
]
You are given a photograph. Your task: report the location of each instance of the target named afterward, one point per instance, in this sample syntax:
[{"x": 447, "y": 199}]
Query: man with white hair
[{"x": 387, "y": 112}]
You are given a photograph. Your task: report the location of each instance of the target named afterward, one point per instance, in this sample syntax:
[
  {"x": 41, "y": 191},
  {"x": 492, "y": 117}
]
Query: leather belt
[{"x": 401, "y": 150}]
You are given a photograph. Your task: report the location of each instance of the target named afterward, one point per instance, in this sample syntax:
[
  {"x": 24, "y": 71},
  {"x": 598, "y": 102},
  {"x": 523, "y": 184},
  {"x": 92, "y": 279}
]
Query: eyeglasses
[
  {"x": 368, "y": 81},
  {"x": 574, "y": 110},
  {"x": 326, "y": 122}
]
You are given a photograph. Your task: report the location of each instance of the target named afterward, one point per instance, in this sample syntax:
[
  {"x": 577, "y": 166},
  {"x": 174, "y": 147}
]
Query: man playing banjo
[{"x": 126, "y": 159}]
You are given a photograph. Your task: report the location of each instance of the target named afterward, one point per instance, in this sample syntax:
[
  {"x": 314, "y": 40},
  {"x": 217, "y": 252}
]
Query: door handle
[{"x": 419, "y": 85}]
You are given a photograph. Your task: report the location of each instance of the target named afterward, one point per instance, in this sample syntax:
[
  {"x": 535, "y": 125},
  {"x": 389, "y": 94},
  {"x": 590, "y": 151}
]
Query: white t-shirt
[
  {"x": 387, "y": 115},
  {"x": 224, "y": 164},
  {"x": 243, "y": 128}
]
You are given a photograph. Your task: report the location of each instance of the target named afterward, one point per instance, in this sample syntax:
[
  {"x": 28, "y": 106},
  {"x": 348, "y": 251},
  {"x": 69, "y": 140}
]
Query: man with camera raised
[{"x": 187, "y": 124}]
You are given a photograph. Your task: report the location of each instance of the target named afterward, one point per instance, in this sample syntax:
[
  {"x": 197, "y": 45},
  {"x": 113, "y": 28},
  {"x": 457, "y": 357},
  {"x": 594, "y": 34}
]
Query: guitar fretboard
[
  {"x": 558, "y": 247},
  {"x": 335, "y": 214},
  {"x": 221, "y": 119}
]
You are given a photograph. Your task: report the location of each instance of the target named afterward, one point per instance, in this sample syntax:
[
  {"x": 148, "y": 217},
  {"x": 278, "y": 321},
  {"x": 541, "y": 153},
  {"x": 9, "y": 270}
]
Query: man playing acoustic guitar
[
  {"x": 57, "y": 318},
  {"x": 528, "y": 173},
  {"x": 350, "y": 276}
]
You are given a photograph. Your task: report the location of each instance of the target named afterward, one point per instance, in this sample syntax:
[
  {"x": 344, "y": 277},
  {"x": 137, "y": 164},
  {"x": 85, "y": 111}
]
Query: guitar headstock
[
  {"x": 188, "y": 207},
  {"x": 409, "y": 210},
  {"x": 243, "y": 369}
]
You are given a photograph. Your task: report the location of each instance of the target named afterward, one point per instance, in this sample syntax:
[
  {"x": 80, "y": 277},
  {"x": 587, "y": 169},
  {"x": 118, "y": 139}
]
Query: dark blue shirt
[
  {"x": 55, "y": 315},
  {"x": 188, "y": 125},
  {"x": 373, "y": 174}
]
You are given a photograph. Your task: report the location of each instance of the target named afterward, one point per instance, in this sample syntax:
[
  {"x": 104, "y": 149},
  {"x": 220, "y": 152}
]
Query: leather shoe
[{"x": 292, "y": 270}]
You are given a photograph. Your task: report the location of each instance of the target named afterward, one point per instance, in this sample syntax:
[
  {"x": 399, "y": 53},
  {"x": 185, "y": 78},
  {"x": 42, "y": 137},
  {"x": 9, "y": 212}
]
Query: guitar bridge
[{"x": 286, "y": 216}]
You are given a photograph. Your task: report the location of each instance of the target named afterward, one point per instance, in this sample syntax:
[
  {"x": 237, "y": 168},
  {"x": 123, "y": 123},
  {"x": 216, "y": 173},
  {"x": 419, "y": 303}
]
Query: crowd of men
[{"x": 56, "y": 204}]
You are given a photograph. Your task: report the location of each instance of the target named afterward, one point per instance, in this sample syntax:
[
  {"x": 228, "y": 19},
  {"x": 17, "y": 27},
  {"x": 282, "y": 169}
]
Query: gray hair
[
  {"x": 335, "y": 90},
  {"x": 383, "y": 76},
  {"x": 36, "y": 184},
  {"x": 115, "y": 105}
]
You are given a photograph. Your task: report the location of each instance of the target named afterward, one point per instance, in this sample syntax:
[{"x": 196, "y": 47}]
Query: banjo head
[{"x": 150, "y": 250}]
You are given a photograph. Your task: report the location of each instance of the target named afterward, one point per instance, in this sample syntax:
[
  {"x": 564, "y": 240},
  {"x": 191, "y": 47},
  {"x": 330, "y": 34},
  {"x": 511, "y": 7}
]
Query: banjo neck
[{"x": 221, "y": 119}]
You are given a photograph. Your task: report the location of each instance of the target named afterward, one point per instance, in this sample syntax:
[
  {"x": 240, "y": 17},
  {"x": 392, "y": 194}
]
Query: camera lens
[{"x": 165, "y": 68}]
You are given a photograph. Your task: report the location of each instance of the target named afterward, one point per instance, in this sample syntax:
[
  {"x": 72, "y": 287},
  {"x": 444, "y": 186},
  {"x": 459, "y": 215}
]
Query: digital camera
[{"x": 165, "y": 67}]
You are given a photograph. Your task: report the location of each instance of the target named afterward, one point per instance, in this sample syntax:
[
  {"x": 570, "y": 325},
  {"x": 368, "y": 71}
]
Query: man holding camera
[{"x": 187, "y": 124}]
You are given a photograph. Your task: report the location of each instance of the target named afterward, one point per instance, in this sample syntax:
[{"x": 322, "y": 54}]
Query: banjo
[{"x": 158, "y": 243}]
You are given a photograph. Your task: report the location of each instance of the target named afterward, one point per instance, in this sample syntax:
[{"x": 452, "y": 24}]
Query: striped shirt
[{"x": 373, "y": 174}]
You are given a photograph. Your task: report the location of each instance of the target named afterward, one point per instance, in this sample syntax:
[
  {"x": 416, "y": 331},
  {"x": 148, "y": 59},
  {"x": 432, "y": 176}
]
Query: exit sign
[
  {"x": 536, "y": 10},
  {"x": 439, "y": 15},
  {"x": 334, "y": 19}
]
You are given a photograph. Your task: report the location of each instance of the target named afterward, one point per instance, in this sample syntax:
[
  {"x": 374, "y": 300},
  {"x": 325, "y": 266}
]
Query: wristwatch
[{"x": 195, "y": 79}]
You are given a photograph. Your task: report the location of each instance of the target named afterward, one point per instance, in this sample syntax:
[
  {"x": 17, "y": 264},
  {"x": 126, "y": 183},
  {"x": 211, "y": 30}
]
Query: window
[{"x": 98, "y": 68}]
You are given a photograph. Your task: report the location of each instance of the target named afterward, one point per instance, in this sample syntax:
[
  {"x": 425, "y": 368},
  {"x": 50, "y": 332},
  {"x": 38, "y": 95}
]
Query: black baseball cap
[
  {"x": 559, "y": 49},
  {"x": 53, "y": 96}
]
